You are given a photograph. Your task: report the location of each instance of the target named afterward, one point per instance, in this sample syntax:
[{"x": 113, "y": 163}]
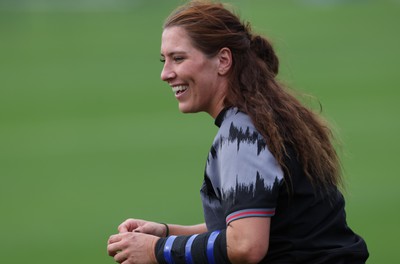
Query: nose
[{"x": 167, "y": 72}]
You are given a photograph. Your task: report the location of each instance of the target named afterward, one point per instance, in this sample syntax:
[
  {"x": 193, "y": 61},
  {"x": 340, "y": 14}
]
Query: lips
[{"x": 179, "y": 89}]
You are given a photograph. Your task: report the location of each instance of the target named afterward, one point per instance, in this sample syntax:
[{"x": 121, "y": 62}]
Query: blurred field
[{"x": 89, "y": 135}]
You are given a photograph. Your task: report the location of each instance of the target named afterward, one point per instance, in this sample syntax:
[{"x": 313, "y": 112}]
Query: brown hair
[{"x": 281, "y": 118}]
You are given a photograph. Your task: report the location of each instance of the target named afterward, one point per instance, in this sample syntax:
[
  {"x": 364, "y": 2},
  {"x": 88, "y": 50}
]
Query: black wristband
[
  {"x": 220, "y": 248},
  {"x": 159, "y": 250},
  {"x": 206, "y": 248}
]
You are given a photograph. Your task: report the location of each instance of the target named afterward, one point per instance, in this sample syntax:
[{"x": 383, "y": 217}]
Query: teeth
[{"x": 179, "y": 88}]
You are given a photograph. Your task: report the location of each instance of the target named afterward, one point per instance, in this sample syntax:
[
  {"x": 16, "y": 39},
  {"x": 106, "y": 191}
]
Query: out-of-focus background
[{"x": 89, "y": 135}]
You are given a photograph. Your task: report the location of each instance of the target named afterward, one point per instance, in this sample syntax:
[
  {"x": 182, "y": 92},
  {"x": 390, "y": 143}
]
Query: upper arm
[{"x": 248, "y": 239}]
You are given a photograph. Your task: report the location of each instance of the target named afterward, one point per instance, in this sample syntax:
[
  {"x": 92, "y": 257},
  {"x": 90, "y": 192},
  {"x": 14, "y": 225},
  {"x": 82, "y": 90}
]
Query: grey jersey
[{"x": 242, "y": 178}]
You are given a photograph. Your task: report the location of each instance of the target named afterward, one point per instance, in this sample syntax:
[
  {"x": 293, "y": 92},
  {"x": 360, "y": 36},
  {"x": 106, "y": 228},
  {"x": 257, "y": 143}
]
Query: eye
[
  {"x": 162, "y": 60},
  {"x": 178, "y": 59}
]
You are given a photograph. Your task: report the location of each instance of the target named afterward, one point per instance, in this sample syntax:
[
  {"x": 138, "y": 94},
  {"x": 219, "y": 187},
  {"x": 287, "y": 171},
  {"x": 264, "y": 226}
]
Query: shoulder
[
  {"x": 237, "y": 118},
  {"x": 237, "y": 125},
  {"x": 237, "y": 134},
  {"x": 241, "y": 151}
]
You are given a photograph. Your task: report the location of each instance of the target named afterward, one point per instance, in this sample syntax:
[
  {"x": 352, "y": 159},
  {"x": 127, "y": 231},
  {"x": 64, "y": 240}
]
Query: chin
[{"x": 187, "y": 110}]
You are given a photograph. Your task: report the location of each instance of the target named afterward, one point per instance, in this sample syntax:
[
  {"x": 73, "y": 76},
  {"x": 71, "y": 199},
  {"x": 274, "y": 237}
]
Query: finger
[
  {"x": 114, "y": 238},
  {"x": 113, "y": 249},
  {"x": 127, "y": 226},
  {"x": 120, "y": 257},
  {"x": 123, "y": 228}
]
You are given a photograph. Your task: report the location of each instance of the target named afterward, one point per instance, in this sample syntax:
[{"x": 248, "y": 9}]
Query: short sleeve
[{"x": 250, "y": 176}]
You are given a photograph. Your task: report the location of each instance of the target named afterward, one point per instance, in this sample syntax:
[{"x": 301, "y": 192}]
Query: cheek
[{"x": 202, "y": 74}]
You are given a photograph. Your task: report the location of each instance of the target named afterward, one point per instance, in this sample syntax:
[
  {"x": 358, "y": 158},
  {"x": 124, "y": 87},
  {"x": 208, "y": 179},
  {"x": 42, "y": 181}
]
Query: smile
[{"x": 179, "y": 89}]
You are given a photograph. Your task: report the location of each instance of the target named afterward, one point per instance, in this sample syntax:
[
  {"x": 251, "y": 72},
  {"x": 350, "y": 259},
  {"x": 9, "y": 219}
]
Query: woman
[{"x": 271, "y": 183}]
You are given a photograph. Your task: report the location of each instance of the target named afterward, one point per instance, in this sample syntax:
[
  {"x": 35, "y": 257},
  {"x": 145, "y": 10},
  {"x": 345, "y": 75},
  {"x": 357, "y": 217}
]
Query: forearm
[
  {"x": 206, "y": 248},
  {"x": 181, "y": 230},
  {"x": 244, "y": 241}
]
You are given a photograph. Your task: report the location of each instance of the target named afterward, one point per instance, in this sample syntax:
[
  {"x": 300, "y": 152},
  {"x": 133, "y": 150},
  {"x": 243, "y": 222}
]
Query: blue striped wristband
[
  {"x": 188, "y": 250},
  {"x": 210, "y": 247},
  {"x": 168, "y": 248}
]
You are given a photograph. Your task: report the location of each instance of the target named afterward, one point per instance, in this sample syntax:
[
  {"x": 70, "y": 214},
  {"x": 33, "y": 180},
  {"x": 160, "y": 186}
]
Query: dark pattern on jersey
[
  {"x": 237, "y": 135},
  {"x": 254, "y": 189}
]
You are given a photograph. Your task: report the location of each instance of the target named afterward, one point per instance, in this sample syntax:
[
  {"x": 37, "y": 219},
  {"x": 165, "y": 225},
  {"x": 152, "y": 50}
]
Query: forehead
[{"x": 175, "y": 39}]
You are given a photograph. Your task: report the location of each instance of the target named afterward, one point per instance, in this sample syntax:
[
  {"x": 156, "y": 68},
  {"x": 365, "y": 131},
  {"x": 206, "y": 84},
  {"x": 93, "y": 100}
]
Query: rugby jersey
[{"x": 243, "y": 179}]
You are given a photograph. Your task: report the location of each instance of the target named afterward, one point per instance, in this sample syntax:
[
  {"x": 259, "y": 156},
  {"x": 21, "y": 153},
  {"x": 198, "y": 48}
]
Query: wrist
[
  {"x": 152, "y": 254},
  {"x": 166, "y": 230}
]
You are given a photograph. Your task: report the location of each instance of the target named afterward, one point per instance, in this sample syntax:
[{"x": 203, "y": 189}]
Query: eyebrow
[{"x": 174, "y": 53}]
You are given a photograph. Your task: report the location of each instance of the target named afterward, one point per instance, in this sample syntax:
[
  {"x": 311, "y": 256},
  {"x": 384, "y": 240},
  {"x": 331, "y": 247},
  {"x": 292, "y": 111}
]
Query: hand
[
  {"x": 142, "y": 226},
  {"x": 132, "y": 248}
]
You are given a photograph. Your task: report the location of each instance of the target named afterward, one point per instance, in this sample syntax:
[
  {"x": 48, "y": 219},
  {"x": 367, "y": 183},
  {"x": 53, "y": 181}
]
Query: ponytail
[{"x": 264, "y": 50}]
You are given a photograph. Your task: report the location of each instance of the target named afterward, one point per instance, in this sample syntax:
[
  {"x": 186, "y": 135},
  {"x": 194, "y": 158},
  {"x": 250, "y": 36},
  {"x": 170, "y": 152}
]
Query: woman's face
[{"x": 194, "y": 78}]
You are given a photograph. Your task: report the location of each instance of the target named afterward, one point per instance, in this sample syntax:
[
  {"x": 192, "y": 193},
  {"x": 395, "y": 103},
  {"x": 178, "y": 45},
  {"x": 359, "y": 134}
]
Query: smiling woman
[
  {"x": 199, "y": 82},
  {"x": 271, "y": 190}
]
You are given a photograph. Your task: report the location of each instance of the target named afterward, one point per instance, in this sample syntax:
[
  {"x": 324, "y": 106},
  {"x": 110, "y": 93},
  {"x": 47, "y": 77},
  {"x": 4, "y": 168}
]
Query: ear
[{"x": 225, "y": 61}]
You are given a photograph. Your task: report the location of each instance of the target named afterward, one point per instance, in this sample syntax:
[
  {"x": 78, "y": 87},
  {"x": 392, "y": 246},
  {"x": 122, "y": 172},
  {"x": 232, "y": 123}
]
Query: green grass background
[{"x": 89, "y": 135}]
